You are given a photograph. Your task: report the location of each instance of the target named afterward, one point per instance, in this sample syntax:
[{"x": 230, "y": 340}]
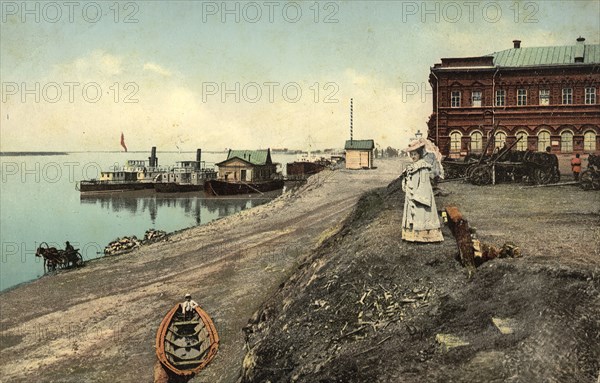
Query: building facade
[
  {"x": 359, "y": 154},
  {"x": 541, "y": 97},
  {"x": 247, "y": 166}
]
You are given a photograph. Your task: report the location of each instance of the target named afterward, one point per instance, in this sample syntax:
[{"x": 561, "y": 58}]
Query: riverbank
[
  {"x": 368, "y": 307},
  {"x": 97, "y": 324}
]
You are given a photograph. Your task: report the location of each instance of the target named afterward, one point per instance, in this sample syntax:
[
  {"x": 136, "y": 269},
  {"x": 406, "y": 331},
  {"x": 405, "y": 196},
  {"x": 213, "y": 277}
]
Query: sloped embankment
[{"x": 366, "y": 307}]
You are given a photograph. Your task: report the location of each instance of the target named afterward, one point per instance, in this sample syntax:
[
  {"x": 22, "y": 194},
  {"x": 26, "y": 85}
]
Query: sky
[{"x": 182, "y": 75}]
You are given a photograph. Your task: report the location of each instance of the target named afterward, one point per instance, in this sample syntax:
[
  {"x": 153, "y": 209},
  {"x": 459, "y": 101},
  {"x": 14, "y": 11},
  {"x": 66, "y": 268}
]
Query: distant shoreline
[{"x": 2, "y": 154}]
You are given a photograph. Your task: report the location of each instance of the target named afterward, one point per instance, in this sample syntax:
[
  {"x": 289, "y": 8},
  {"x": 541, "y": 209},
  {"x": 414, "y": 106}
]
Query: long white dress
[{"x": 420, "y": 221}]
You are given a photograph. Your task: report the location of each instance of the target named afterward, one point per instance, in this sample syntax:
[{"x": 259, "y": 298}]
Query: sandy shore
[{"x": 97, "y": 324}]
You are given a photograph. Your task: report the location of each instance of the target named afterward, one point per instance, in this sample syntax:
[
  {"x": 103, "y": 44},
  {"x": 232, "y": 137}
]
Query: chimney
[
  {"x": 579, "y": 50},
  {"x": 152, "y": 159},
  {"x": 516, "y": 44},
  {"x": 198, "y": 158}
]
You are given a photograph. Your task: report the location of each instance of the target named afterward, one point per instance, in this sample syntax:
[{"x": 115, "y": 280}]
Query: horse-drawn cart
[
  {"x": 505, "y": 165},
  {"x": 58, "y": 259},
  {"x": 590, "y": 178}
]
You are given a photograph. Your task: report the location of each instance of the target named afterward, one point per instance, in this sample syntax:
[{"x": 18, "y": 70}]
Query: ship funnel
[
  {"x": 153, "y": 159},
  {"x": 198, "y": 157}
]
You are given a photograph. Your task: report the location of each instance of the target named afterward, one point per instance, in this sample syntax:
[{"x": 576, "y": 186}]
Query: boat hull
[
  {"x": 220, "y": 187},
  {"x": 173, "y": 187},
  {"x": 90, "y": 187},
  {"x": 184, "y": 346}
]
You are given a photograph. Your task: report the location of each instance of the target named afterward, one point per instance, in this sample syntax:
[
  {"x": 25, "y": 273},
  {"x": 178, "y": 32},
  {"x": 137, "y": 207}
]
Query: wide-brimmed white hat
[{"x": 414, "y": 145}]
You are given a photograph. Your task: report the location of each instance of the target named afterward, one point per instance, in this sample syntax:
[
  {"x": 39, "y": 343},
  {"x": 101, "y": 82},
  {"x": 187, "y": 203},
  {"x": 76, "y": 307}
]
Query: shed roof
[
  {"x": 359, "y": 144},
  {"x": 555, "y": 55},
  {"x": 255, "y": 157}
]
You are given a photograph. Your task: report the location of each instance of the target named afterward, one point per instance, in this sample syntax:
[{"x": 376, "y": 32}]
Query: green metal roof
[
  {"x": 255, "y": 157},
  {"x": 359, "y": 144},
  {"x": 557, "y": 55}
]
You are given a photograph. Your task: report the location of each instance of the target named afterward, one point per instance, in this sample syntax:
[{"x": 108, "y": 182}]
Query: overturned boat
[{"x": 185, "y": 345}]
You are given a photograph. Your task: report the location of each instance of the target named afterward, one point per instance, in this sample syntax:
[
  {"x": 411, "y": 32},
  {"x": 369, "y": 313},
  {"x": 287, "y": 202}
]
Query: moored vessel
[{"x": 245, "y": 172}]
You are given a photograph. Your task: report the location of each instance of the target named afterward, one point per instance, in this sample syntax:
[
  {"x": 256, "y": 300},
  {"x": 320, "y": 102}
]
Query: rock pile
[
  {"x": 153, "y": 235},
  {"x": 127, "y": 244},
  {"x": 121, "y": 245}
]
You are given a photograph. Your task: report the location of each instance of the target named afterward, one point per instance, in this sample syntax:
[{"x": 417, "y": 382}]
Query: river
[{"x": 39, "y": 202}]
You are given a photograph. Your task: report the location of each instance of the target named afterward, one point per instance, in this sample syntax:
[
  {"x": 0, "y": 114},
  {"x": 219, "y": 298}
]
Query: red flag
[{"x": 123, "y": 141}]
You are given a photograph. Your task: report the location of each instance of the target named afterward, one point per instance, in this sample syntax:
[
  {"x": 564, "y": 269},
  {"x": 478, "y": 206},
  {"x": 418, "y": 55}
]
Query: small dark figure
[
  {"x": 187, "y": 307},
  {"x": 576, "y": 166},
  {"x": 69, "y": 249}
]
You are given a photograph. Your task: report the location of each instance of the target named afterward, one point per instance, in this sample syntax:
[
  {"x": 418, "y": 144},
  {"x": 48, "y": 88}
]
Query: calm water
[{"x": 39, "y": 203}]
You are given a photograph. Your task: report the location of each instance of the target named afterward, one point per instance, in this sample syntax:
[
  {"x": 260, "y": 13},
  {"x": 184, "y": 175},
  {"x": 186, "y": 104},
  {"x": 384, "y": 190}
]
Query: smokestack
[
  {"x": 351, "y": 120},
  {"x": 152, "y": 158},
  {"x": 579, "y": 50},
  {"x": 516, "y": 44},
  {"x": 198, "y": 157}
]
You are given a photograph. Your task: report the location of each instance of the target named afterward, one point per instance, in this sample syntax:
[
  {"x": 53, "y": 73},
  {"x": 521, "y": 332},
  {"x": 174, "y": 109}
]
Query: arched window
[
  {"x": 476, "y": 142},
  {"x": 543, "y": 140},
  {"x": 500, "y": 139},
  {"x": 589, "y": 141},
  {"x": 455, "y": 138},
  {"x": 566, "y": 141},
  {"x": 522, "y": 143}
]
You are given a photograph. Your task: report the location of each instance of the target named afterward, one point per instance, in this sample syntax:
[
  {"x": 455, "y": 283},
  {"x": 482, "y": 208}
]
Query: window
[
  {"x": 521, "y": 97},
  {"x": 522, "y": 143},
  {"x": 455, "y": 138},
  {"x": 590, "y": 96},
  {"x": 476, "y": 142},
  {"x": 499, "y": 139},
  {"x": 589, "y": 141},
  {"x": 543, "y": 140},
  {"x": 566, "y": 142},
  {"x": 455, "y": 99},
  {"x": 500, "y": 97},
  {"x": 544, "y": 96},
  {"x": 476, "y": 98},
  {"x": 567, "y": 96}
]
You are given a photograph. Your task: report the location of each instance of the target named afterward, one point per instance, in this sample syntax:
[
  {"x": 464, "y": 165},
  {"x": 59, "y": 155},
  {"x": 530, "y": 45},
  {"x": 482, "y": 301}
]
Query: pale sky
[{"x": 247, "y": 75}]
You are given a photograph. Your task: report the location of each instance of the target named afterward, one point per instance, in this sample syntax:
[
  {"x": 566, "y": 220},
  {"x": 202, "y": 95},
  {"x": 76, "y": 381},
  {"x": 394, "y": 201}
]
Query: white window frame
[
  {"x": 476, "y": 98},
  {"x": 500, "y": 97},
  {"x": 543, "y": 144},
  {"x": 590, "y": 96},
  {"x": 567, "y": 96},
  {"x": 522, "y": 144},
  {"x": 454, "y": 143},
  {"x": 499, "y": 139},
  {"x": 521, "y": 97},
  {"x": 566, "y": 146},
  {"x": 589, "y": 141},
  {"x": 544, "y": 97},
  {"x": 476, "y": 146},
  {"x": 455, "y": 99}
]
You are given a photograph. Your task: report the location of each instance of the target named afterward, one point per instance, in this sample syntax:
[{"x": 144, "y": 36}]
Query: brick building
[{"x": 546, "y": 95}]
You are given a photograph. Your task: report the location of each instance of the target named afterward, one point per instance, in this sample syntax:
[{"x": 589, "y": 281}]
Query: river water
[{"x": 39, "y": 202}]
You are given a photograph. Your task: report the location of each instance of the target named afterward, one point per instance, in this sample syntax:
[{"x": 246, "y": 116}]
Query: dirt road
[{"x": 97, "y": 324}]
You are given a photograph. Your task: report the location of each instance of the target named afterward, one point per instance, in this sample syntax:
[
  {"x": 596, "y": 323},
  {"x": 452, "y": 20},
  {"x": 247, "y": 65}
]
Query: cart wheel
[
  {"x": 596, "y": 181},
  {"x": 79, "y": 261},
  {"x": 585, "y": 180},
  {"x": 543, "y": 176},
  {"x": 481, "y": 175}
]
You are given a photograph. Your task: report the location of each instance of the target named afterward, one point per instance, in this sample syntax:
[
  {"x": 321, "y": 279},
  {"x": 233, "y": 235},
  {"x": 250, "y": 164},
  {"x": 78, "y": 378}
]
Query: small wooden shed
[{"x": 359, "y": 154}]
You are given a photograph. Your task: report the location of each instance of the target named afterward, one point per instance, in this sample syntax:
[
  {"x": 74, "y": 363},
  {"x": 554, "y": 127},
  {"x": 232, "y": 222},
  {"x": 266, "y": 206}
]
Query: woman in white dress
[{"x": 420, "y": 221}]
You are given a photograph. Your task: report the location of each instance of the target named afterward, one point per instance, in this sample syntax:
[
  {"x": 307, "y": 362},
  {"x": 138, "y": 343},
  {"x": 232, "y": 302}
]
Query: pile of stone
[
  {"x": 121, "y": 245},
  {"x": 153, "y": 235}
]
